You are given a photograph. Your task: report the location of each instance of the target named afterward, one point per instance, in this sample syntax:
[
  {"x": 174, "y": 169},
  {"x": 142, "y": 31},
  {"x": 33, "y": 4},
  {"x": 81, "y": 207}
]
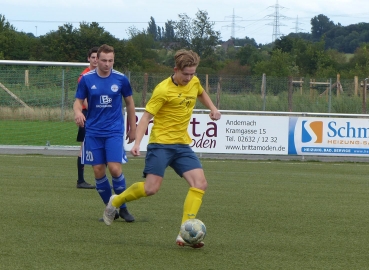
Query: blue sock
[
  {"x": 119, "y": 185},
  {"x": 104, "y": 189}
]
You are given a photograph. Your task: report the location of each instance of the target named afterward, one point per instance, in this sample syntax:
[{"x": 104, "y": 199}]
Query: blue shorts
[
  {"x": 180, "y": 157},
  {"x": 101, "y": 150}
]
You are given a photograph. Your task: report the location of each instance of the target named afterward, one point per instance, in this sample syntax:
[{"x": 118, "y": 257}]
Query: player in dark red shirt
[{"x": 81, "y": 183}]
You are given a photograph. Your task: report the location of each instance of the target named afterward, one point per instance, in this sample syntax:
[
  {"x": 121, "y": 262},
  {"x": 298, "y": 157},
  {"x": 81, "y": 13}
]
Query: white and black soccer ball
[{"x": 193, "y": 231}]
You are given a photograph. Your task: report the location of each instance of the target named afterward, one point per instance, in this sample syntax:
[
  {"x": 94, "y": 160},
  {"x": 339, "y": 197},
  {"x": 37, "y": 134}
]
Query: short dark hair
[
  {"x": 105, "y": 49},
  {"x": 91, "y": 51}
]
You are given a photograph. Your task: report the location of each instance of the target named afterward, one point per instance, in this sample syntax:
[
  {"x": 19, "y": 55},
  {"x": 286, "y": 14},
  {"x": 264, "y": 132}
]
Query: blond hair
[{"x": 186, "y": 58}]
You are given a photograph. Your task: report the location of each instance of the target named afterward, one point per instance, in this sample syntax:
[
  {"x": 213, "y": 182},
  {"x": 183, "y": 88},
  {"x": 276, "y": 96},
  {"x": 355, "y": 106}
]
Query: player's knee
[
  {"x": 151, "y": 190},
  {"x": 152, "y": 187},
  {"x": 115, "y": 173},
  {"x": 99, "y": 171},
  {"x": 152, "y": 184},
  {"x": 203, "y": 185},
  {"x": 115, "y": 170}
]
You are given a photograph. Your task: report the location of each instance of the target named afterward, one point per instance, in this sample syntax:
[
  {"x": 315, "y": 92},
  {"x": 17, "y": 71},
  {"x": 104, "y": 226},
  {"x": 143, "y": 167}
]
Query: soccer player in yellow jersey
[{"x": 171, "y": 106}]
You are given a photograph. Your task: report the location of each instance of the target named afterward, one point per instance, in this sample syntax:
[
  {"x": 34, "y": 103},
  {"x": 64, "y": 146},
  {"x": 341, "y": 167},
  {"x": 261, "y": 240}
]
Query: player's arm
[
  {"x": 79, "y": 118},
  {"x": 206, "y": 101},
  {"x": 131, "y": 117},
  {"x": 81, "y": 94},
  {"x": 85, "y": 103},
  {"x": 140, "y": 132}
]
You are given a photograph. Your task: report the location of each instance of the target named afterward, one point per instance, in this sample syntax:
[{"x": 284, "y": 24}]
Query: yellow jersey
[{"x": 172, "y": 106}]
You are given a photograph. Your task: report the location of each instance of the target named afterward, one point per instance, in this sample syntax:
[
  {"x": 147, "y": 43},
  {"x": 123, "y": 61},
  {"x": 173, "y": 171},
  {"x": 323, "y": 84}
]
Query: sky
[{"x": 252, "y": 18}]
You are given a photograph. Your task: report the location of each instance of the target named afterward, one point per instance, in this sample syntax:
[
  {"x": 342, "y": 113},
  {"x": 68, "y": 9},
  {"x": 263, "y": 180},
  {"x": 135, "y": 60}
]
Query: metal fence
[{"x": 52, "y": 87}]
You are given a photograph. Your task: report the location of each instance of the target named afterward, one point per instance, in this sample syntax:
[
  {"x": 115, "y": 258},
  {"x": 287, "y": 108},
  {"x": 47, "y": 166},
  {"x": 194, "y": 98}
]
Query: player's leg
[
  {"x": 119, "y": 186},
  {"x": 103, "y": 186},
  {"x": 193, "y": 201},
  {"x": 93, "y": 149},
  {"x": 134, "y": 192},
  {"x": 155, "y": 164},
  {"x": 189, "y": 167},
  {"x": 196, "y": 180},
  {"x": 81, "y": 183},
  {"x": 115, "y": 156}
]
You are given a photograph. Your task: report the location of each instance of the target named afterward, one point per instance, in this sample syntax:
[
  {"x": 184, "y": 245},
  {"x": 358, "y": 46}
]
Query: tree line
[{"x": 329, "y": 48}]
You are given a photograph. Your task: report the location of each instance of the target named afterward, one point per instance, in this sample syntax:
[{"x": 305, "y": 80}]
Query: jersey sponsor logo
[
  {"x": 93, "y": 87},
  {"x": 105, "y": 101},
  {"x": 114, "y": 88}
]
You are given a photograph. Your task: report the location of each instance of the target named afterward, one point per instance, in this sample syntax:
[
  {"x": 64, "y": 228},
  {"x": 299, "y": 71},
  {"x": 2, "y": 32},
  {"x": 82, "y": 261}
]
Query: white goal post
[{"x": 43, "y": 63}]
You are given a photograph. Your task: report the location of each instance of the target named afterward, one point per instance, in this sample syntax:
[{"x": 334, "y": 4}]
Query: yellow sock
[
  {"x": 134, "y": 192},
  {"x": 192, "y": 203}
]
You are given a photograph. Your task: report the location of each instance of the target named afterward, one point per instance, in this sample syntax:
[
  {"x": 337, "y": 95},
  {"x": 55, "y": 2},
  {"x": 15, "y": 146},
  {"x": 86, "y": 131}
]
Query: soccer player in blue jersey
[
  {"x": 171, "y": 106},
  {"x": 104, "y": 88}
]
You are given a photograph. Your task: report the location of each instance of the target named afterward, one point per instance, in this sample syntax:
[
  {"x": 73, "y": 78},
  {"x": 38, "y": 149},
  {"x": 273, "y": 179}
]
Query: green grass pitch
[{"x": 259, "y": 215}]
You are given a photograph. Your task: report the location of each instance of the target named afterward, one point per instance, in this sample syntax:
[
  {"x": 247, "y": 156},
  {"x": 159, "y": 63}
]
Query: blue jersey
[{"x": 104, "y": 96}]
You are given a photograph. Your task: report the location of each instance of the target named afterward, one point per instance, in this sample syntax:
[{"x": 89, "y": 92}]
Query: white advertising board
[{"x": 234, "y": 134}]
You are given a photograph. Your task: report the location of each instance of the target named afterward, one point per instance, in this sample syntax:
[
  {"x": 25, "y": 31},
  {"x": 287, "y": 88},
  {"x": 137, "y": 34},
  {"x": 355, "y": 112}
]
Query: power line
[
  {"x": 41, "y": 21},
  {"x": 297, "y": 29},
  {"x": 276, "y": 24},
  {"x": 233, "y": 25}
]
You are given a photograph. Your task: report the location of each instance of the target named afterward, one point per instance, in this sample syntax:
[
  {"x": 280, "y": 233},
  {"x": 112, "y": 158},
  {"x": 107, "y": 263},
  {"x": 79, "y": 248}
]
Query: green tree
[
  {"x": 244, "y": 41},
  {"x": 220, "y": 53},
  {"x": 127, "y": 57},
  {"x": 249, "y": 55},
  {"x": 310, "y": 56},
  {"x": 152, "y": 29},
  {"x": 143, "y": 43},
  {"x": 234, "y": 68},
  {"x": 351, "y": 42},
  {"x": 22, "y": 46},
  {"x": 204, "y": 37},
  {"x": 320, "y": 25},
  {"x": 90, "y": 35},
  {"x": 183, "y": 31},
  {"x": 13, "y": 45},
  {"x": 285, "y": 44},
  {"x": 197, "y": 34},
  {"x": 359, "y": 63},
  {"x": 160, "y": 34},
  {"x": 280, "y": 64},
  {"x": 61, "y": 45},
  {"x": 168, "y": 32}
]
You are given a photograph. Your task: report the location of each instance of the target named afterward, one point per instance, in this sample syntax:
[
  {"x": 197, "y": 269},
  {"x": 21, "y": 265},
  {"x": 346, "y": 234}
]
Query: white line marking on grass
[
  {"x": 48, "y": 157},
  {"x": 286, "y": 163}
]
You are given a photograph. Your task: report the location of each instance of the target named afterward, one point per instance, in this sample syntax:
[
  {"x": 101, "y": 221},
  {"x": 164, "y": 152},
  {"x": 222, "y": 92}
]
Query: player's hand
[
  {"x": 131, "y": 136},
  {"x": 80, "y": 119},
  {"x": 214, "y": 114},
  {"x": 135, "y": 151}
]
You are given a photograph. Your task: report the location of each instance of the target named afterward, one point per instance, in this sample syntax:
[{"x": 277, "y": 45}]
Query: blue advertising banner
[{"x": 328, "y": 136}]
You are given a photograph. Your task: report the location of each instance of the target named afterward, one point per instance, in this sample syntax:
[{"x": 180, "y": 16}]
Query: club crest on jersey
[{"x": 114, "y": 88}]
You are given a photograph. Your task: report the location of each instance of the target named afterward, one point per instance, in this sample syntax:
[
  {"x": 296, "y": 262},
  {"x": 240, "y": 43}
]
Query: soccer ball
[{"x": 193, "y": 231}]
